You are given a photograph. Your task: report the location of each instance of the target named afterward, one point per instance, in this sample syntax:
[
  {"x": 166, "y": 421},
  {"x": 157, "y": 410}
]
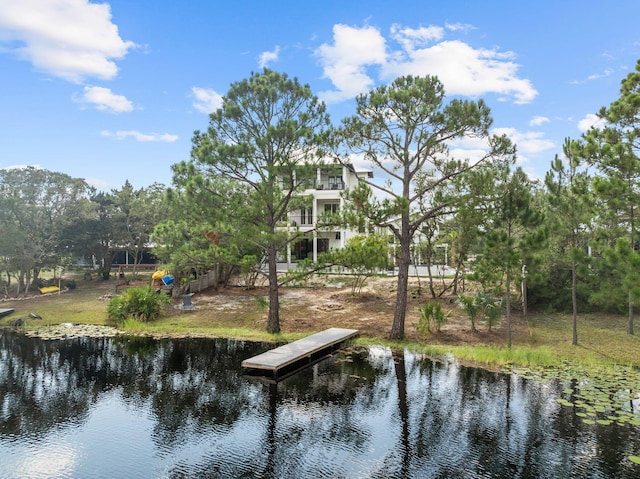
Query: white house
[{"x": 331, "y": 180}]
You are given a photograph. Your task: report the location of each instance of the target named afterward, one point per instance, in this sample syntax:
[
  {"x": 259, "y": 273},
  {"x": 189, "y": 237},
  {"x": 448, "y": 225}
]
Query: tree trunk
[
  {"x": 574, "y": 301},
  {"x": 455, "y": 281},
  {"x": 523, "y": 287},
  {"x": 508, "y": 307},
  {"x": 633, "y": 242},
  {"x": 20, "y": 283},
  {"x": 397, "y": 330},
  {"x": 273, "y": 323},
  {"x": 27, "y": 282}
]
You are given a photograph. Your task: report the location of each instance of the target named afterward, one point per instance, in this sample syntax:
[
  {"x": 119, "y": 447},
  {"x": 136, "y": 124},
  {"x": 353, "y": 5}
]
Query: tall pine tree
[
  {"x": 613, "y": 149},
  {"x": 513, "y": 233},
  {"x": 570, "y": 209}
]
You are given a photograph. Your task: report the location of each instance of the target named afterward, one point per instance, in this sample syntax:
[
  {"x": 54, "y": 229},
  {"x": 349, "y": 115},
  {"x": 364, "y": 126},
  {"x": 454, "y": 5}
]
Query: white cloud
[
  {"x": 206, "y": 100},
  {"x": 104, "y": 99},
  {"x": 527, "y": 143},
  {"x": 607, "y": 72},
  {"x": 70, "y": 39},
  {"x": 459, "y": 27},
  {"x": 591, "y": 121},
  {"x": 359, "y": 162},
  {"x": 462, "y": 69},
  {"x": 268, "y": 57},
  {"x": 344, "y": 62},
  {"x": 141, "y": 137},
  {"x": 473, "y": 155},
  {"x": 470, "y": 147},
  {"x": 538, "y": 120},
  {"x": 410, "y": 38},
  {"x": 595, "y": 76},
  {"x": 97, "y": 183}
]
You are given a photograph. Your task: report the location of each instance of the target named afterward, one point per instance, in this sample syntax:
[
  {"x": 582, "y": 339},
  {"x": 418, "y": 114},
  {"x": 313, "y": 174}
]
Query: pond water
[{"x": 141, "y": 408}]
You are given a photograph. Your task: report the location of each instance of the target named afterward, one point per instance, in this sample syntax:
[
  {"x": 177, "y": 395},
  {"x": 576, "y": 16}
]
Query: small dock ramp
[{"x": 298, "y": 353}]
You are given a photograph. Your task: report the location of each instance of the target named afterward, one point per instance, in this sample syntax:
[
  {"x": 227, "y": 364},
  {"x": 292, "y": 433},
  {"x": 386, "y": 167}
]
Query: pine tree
[{"x": 570, "y": 211}]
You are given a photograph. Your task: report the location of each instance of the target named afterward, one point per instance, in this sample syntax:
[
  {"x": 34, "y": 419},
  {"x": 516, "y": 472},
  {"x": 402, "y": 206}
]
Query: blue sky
[{"x": 114, "y": 91}]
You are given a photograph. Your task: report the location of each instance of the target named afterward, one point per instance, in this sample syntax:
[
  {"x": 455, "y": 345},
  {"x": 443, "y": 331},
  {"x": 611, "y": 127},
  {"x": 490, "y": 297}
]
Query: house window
[
  {"x": 303, "y": 249},
  {"x": 335, "y": 183},
  {"x": 331, "y": 208},
  {"x": 306, "y": 216},
  {"x": 323, "y": 245}
]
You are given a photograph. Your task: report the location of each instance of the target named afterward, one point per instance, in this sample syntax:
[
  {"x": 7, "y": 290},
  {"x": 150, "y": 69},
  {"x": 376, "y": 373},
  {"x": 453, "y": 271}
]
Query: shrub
[
  {"x": 424, "y": 321},
  {"x": 492, "y": 309},
  {"x": 141, "y": 303},
  {"x": 471, "y": 306},
  {"x": 431, "y": 313}
]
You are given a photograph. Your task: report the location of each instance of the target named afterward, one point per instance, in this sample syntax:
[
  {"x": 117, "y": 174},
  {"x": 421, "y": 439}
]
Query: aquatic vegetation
[{"x": 598, "y": 395}]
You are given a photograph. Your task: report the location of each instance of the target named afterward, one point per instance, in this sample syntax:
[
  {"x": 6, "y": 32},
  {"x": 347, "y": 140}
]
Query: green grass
[
  {"x": 602, "y": 342},
  {"x": 483, "y": 355},
  {"x": 75, "y": 306},
  {"x": 602, "y": 339}
]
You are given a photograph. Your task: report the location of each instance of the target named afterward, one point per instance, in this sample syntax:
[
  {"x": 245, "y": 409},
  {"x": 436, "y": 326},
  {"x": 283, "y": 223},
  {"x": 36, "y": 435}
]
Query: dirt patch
[
  {"x": 302, "y": 310},
  {"x": 371, "y": 311}
]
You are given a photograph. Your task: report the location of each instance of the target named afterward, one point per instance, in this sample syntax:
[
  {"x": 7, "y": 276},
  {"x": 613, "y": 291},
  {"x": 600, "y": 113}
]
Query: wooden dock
[{"x": 300, "y": 352}]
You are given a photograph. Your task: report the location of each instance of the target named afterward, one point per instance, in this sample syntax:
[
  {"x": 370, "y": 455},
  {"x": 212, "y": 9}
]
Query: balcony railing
[
  {"x": 297, "y": 220},
  {"x": 325, "y": 185}
]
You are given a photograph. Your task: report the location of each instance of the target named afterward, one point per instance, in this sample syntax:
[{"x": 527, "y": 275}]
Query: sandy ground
[
  {"x": 318, "y": 306},
  {"x": 371, "y": 311}
]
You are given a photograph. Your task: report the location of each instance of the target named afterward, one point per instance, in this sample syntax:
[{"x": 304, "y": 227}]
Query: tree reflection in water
[{"x": 359, "y": 413}]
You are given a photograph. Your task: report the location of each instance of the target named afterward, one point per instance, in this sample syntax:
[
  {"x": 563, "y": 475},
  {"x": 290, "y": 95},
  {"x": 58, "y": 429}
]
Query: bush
[
  {"x": 431, "y": 313},
  {"x": 141, "y": 303},
  {"x": 481, "y": 303},
  {"x": 471, "y": 306},
  {"x": 493, "y": 309}
]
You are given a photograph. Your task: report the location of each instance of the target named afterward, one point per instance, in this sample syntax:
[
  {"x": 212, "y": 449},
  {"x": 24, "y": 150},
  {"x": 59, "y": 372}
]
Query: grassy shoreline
[{"x": 545, "y": 343}]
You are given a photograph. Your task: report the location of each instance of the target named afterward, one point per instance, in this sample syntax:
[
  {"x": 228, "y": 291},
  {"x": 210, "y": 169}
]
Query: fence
[
  {"x": 133, "y": 266},
  {"x": 204, "y": 281}
]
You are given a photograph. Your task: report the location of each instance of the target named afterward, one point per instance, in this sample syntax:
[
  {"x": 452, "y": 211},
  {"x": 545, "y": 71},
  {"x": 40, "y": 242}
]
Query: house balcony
[
  {"x": 298, "y": 221},
  {"x": 325, "y": 185}
]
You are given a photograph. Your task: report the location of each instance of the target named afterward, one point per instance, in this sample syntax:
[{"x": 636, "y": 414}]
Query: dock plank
[{"x": 291, "y": 353}]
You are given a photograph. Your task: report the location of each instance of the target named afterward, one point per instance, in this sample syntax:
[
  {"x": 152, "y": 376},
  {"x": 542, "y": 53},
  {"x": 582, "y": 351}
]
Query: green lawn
[{"x": 602, "y": 338}]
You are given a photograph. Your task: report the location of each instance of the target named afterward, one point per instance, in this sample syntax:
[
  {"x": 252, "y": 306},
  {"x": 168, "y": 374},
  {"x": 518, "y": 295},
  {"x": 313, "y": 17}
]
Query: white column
[{"x": 315, "y": 246}]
